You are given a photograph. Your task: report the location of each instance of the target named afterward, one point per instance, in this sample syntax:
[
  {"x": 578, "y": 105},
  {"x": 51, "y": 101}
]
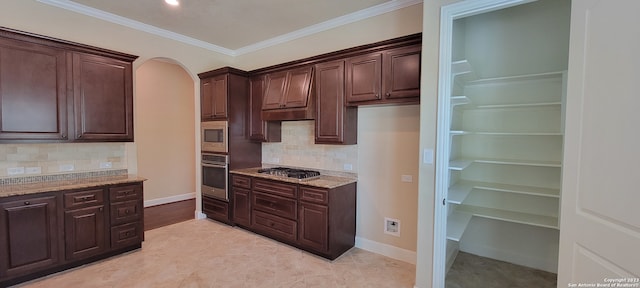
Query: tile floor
[
  {"x": 204, "y": 253},
  {"x": 471, "y": 271}
]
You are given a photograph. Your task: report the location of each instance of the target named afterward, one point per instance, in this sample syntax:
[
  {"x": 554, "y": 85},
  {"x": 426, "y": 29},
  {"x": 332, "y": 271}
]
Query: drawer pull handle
[
  {"x": 27, "y": 203},
  {"x": 126, "y": 211},
  {"x": 271, "y": 223}
]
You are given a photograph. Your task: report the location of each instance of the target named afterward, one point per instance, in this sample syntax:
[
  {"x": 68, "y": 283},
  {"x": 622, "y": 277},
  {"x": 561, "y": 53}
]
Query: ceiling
[{"x": 232, "y": 27}]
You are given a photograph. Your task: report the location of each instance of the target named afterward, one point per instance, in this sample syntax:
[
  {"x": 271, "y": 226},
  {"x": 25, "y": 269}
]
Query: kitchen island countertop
[
  {"x": 53, "y": 186},
  {"x": 325, "y": 181}
]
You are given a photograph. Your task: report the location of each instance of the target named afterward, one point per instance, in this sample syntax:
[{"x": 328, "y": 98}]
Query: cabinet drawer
[
  {"x": 315, "y": 195},
  {"x": 280, "y": 206},
  {"x": 84, "y": 198},
  {"x": 124, "y": 212},
  {"x": 124, "y": 193},
  {"x": 241, "y": 181},
  {"x": 126, "y": 235},
  {"x": 276, "y": 226},
  {"x": 275, "y": 188},
  {"x": 215, "y": 209}
]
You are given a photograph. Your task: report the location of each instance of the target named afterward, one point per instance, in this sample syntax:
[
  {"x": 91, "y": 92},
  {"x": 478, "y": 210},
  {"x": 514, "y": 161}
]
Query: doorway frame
[{"x": 448, "y": 14}]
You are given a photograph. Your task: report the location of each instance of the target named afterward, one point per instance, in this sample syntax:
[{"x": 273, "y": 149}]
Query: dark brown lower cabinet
[
  {"x": 314, "y": 226},
  {"x": 216, "y": 209},
  {"x": 84, "y": 232},
  {"x": 49, "y": 232},
  {"x": 29, "y": 235},
  {"x": 319, "y": 220},
  {"x": 241, "y": 206}
]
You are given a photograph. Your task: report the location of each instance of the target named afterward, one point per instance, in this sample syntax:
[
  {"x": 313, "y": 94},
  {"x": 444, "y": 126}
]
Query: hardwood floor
[{"x": 167, "y": 214}]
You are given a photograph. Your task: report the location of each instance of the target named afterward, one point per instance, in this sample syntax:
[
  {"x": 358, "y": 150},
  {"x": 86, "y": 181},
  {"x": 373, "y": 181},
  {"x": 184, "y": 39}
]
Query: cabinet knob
[
  {"x": 101, "y": 209},
  {"x": 377, "y": 95},
  {"x": 63, "y": 135},
  {"x": 388, "y": 94},
  {"x": 27, "y": 203},
  {"x": 126, "y": 212}
]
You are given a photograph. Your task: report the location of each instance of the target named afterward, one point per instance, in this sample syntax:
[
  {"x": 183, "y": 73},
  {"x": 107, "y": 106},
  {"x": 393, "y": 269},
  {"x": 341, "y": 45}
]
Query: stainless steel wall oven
[{"x": 215, "y": 175}]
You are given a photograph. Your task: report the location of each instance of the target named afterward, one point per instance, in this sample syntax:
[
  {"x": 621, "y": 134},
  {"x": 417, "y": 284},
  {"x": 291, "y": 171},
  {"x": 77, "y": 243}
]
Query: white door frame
[{"x": 448, "y": 14}]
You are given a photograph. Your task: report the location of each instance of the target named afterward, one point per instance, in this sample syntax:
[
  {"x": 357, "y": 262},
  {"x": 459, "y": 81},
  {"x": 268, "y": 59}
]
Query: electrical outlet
[
  {"x": 406, "y": 178},
  {"x": 15, "y": 170},
  {"x": 33, "y": 170},
  {"x": 348, "y": 167},
  {"x": 105, "y": 165},
  {"x": 66, "y": 167},
  {"x": 392, "y": 226}
]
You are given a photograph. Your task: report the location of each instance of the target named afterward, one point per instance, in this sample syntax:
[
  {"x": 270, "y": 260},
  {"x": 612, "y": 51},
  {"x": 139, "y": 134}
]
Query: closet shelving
[{"x": 506, "y": 146}]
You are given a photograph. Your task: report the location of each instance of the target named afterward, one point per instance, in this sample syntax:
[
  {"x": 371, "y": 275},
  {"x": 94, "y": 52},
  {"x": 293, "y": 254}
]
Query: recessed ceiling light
[{"x": 172, "y": 2}]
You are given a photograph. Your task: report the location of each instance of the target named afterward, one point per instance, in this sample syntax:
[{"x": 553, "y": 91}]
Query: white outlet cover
[
  {"x": 15, "y": 170},
  {"x": 392, "y": 226},
  {"x": 105, "y": 165},
  {"x": 348, "y": 167},
  {"x": 66, "y": 167},
  {"x": 33, "y": 170},
  {"x": 406, "y": 178},
  {"x": 427, "y": 156}
]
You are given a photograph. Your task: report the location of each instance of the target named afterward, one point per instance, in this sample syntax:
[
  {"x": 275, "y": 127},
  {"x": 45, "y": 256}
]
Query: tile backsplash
[
  {"x": 298, "y": 149},
  {"x": 55, "y": 158}
]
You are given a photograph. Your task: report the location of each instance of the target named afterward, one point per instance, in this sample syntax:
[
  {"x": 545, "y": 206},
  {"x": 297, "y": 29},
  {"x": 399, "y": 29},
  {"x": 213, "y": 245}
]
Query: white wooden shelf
[
  {"x": 456, "y": 224},
  {"x": 524, "y": 77},
  {"x": 461, "y": 164},
  {"x": 461, "y": 187},
  {"x": 509, "y": 216},
  {"x": 518, "y": 105},
  {"x": 460, "y": 100},
  {"x": 458, "y": 192},
  {"x": 464, "y": 132}
]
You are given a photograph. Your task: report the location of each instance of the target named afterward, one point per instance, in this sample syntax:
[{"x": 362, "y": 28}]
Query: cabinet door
[
  {"x": 274, "y": 91},
  {"x": 313, "y": 227},
  {"x": 28, "y": 235},
  {"x": 364, "y": 75},
  {"x": 402, "y": 72},
  {"x": 206, "y": 99},
  {"x": 333, "y": 119},
  {"x": 261, "y": 131},
  {"x": 33, "y": 92},
  {"x": 84, "y": 232},
  {"x": 103, "y": 98},
  {"x": 298, "y": 86},
  {"x": 241, "y": 206},
  {"x": 213, "y": 100}
]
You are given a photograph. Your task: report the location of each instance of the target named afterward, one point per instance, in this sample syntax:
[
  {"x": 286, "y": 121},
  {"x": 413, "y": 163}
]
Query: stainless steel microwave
[{"x": 213, "y": 135}]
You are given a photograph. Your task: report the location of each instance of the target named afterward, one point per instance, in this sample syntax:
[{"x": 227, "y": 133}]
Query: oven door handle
[{"x": 214, "y": 165}]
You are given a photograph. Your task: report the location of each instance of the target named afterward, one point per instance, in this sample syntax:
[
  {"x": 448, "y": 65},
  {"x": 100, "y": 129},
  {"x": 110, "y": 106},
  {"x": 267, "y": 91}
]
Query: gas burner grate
[{"x": 299, "y": 174}]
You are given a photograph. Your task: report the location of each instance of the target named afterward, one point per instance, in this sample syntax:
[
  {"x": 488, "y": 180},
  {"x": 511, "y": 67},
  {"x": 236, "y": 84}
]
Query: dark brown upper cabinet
[
  {"x": 364, "y": 78},
  {"x": 33, "y": 94},
  {"x": 287, "y": 95},
  {"x": 57, "y": 91},
  {"x": 387, "y": 77},
  {"x": 103, "y": 98},
  {"x": 260, "y": 130},
  {"x": 401, "y": 73},
  {"x": 214, "y": 98},
  {"x": 335, "y": 122},
  {"x": 221, "y": 92}
]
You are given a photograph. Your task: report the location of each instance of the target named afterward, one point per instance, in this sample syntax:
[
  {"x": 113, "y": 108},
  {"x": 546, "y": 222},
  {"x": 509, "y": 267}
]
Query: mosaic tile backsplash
[
  {"x": 298, "y": 149},
  {"x": 58, "y": 158}
]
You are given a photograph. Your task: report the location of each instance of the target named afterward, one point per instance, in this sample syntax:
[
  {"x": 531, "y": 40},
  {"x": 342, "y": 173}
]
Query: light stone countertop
[
  {"x": 325, "y": 181},
  {"x": 53, "y": 186}
]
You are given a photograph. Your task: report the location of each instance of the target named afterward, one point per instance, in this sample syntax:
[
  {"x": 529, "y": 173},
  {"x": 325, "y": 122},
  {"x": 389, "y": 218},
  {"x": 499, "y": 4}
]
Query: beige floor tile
[{"x": 207, "y": 254}]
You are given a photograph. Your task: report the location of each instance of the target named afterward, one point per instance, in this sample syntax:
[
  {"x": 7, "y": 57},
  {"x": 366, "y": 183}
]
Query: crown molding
[
  {"x": 329, "y": 24},
  {"x": 310, "y": 30}
]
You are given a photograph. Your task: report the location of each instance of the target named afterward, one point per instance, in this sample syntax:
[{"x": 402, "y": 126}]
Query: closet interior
[{"x": 506, "y": 133}]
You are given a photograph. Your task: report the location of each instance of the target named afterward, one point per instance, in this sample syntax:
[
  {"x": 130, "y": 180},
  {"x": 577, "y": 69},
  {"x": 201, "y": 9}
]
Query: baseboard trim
[
  {"x": 386, "y": 250},
  {"x": 170, "y": 199},
  {"x": 199, "y": 215}
]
